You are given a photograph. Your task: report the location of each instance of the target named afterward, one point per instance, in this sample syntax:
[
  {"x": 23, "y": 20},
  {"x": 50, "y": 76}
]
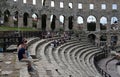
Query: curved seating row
[{"x": 71, "y": 59}]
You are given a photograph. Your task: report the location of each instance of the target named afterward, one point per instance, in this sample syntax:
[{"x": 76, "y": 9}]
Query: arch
[
  {"x": 62, "y": 21},
  {"x": 70, "y": 23},
  {"x": 15, "y": 18},
  {"x": 6, "y": 16},
  {"x": 114, "y": 40},
  {"x": 114, "y": 23},
  {"x": 43, "y": 2},
  {"x": 91, "y": 23},
  {"x": 53, "y": 20},
  {"x": 34, "y": 20},
  {"x": 91, "y": 38},
  {"x": 25, "y": 19},
  {"x": 43, "y": 23},
  {"x": 114, "y": 20},
  {"x": 80, "y": 22},
  {"x": 103, "y": 22}
]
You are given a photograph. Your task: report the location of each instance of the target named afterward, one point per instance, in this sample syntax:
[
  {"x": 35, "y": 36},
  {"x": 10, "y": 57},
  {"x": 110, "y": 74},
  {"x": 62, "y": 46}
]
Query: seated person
[{"x": 21, "y": 54}]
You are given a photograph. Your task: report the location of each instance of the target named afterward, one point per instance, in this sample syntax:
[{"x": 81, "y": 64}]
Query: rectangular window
[
  {"x": 114, "y": 6},
  {"x": 61, "y": 5},
  {"x": 70, "y": 5},
  {"x": 24, "y": 1},
  {"x": 15, "y": 0},
  {"x": 79, "y": 5},
  {"x": 52, "y": 4},
  {"x": 103, "y": 6},
  {"x": 91, "y": 6},
  {"x": 34, "y": 2}
]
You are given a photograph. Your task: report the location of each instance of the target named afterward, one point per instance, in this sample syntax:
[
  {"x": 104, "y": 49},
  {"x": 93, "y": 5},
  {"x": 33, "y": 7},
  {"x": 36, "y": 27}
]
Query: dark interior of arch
[
  {"x": 103, "y": 38},
  {"x": 0, "y": 13},
  {"x": 114, "y": 39},
  {"x": 25, "y": 19},
  {"x": 53, "y": 23},
  {"x": 102, "y": 27},
  {"x": 16, "y": 16},
  {"x": 6, "y": 16},
  {"x": 91, "y": 37},
  {"x": 44, "y": 2},
  {"x": 43, "y": 23},
  {"x": 70, "y": 23},
  {"x": 34, "y": 23},
  {"x": 91, "y": 26}
]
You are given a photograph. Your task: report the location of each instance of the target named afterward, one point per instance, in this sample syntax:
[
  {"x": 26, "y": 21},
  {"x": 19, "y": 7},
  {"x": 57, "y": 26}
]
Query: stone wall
[{"x": 66, "y": 11}]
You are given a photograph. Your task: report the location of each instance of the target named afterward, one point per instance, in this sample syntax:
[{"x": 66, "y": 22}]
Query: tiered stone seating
[{"x": 72, "y": 59}]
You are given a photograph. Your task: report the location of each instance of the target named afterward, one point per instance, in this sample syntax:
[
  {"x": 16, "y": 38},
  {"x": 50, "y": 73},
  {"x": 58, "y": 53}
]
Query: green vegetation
[{"x": 7, "y": 28}]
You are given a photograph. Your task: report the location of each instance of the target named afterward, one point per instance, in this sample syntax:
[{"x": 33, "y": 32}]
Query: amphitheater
[{"x": 84, "y": 53}]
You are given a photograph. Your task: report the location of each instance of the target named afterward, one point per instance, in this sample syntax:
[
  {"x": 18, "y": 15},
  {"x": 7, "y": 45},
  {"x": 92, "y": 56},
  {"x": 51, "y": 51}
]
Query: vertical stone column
[
  {"x": 48, "y": 3},
  {"x": 20, "y": 21},
  {"x": 30, "y": 22},
  {"x": 85, "y": 26},
  {"x": 57, "y": 25},
  {"x": 39, "y": 22},
  {"x": 66, "y": 24},
  {"x": 48, "y": 23},
  {"x": 39, "y": 4},
  {"x": 11, "y": 21},
  {"x": 108, "y": 39},
  {"x": 109, "y": 26},
  {"x": 75, "y": 25},
  {"x": 97, "y": 26}
]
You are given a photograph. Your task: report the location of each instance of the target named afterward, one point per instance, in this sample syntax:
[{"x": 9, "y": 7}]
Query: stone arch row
[
  {"x": 103, "y": 39},
  {"x": 62, "y": 21}
]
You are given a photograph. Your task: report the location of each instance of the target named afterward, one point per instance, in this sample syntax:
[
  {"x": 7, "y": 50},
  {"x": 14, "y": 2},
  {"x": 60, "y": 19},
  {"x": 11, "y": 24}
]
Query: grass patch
[{"x": 7, "y": 28}]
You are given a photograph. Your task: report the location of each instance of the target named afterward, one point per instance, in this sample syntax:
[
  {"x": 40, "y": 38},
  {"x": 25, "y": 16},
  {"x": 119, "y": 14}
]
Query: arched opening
[
  {"x": 114, "y": 23},
  {"x": 43, "y": 2},
  {"x": 52, "y": 20},
  {"x": 62, "y": 22},
  {"x": 114, "y": 40},
  {"x": 34, "y": 20},
  {"x": 6, "y": 16},
  {"x": 103, "y": 40},
  {"x": 80, "y": 22},
  {"x": 25, "y": 19},
  {"x": 91, "y": 23},
  {"x": 43, "y": 23},
  {"x": 0, "y": 13},
  {"x": 103, "y": 22},
  {"x": 91, "y": 38},
  {"x": 15, "y": 18},
  {"x": 70, "y": 23}
]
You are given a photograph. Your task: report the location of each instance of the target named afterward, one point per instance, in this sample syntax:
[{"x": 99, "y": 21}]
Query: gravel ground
[{"x": 7, "y": 65}]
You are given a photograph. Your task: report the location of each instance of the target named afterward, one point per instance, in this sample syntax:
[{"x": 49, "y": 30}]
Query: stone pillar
[
  {"x": 75, "y": 25},
  {"x": 30, "y": 22},
  {"x": 85, "y": 26},
  {"x": 39, "y": 23},
  {"x": 48, "y": 23},
  {"x": 108, "y": 26},
  {"x": 66, "y": 24},
  {"x": 97, "y": 26},
  {"x": 20, "y": 21},
  {"x": 108, "y": 39},
  {"x": 57, "y": 23},
  {"x": 11, "y": 21},
  {"x": 39, "y": 4}
]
